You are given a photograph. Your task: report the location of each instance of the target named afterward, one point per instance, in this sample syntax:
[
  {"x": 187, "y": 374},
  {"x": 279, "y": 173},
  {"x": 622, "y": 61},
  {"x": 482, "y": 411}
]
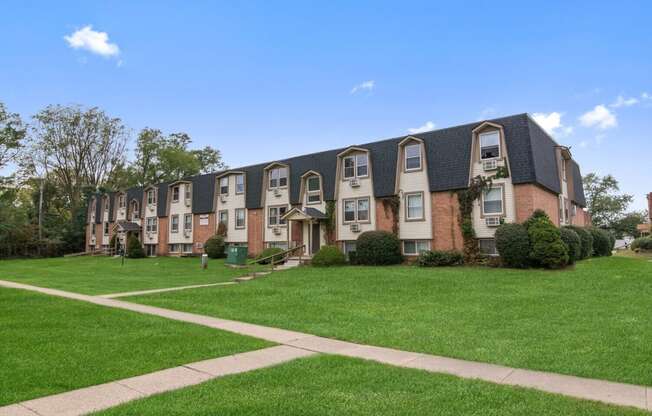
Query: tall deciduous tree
[
  {"x": 604, "y": 202},
  {"x": 12, "y": 133},
  {"x": 628, "y": 224}
]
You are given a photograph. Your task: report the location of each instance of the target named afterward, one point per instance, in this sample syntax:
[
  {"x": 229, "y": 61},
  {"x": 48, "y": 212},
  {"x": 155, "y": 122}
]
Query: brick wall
[
  {"x": 384, "y": 217},
  {"x": 201, "y": 233},
  {"x": 529, "y": 197},
  {"x": 162, "y": 249},
  {"x": 255, "y": 223},
  {"x": 582, "y": 218},
  {"x": 446, "y": 231}
]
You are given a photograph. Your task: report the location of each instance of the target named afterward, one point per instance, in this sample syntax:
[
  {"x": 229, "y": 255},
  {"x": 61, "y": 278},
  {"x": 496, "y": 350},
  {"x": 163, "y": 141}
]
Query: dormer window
[
  {"x": 489, "y": 145},
  {"x": 313, "y": 189},
  {"x": 239, "y": 184},
  {"x": 106, "y": 203},
  {"x": 151, "y": 197},
  {"x": 278, "y": 177},
  {"x": 224, "y": 185},
  {"x": 413, "y": 157},
  {"x": 356, "y": 166},
  {"x": 121, "y": 201},
  {"x": 187, "y": 194},
  {"x": 175, "y": 194},
  {"x": 563, "y": 169},
  {"x": 134, "y": 210}
]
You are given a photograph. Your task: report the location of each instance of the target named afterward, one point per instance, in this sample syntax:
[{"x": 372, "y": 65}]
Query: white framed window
[
  {"x": 224, "y": 185},
  {"x": 487, "y": 246},
  {"x": 151, "y": 224},
  {"x": 563, "y": 169},
  {"x": 93, "y": 230},
  {"x": 223, "y": 218},
  {"x": 240, "y": 218},
  {"x": 490, "y": 145},
  {"x": 106, "y": 203},
  {"x": 106, "y": 228},
  {"x": 175, "y": 248},
  {"x": 134, "y": 210},
  {"x": 151, "y": 197},
  {"x": 187, "y": 191},
  {"x": 412, "y": 157},
  {"x": 187, "y": 248},
  {"x": 239, "y": 184},
  {"x": 356, "y": 210},
  {"x": 283, "y": 245},
  {"x": 278, "y": 177},
  {"x": 175, "y": 193},
  {"x": 414, "y": 206},
  {"x": 313, "y": 189},
  {"x": 174, "y": 225},
  {"x": 122, "y": 201},
  {"x": 356, "y": 166},
  {"x": 187, "y": 222},
  {"x": 349, "y": 246},
  {"x": 415, "y": 247},
  {"x": 492, "y": 201},
  {"x": 275, "y": 214}
]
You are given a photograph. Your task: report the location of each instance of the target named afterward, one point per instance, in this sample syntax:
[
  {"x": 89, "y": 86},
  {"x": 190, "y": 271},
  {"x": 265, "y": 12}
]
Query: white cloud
[
  {"x": 551, "y": 122},
  {"x": 364, "y": 86},
  {"x": 600, "y": 117},
  {"x": 624, "y": 102},
  {"x": 426, "y": 127},
  {"x": 92, "y": 41},
  {"x": 584, "y": 143},
  {"x": 646, "y": 96}
]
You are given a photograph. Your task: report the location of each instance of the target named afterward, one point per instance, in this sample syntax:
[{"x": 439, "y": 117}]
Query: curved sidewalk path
[{"x": 578, "y": 387}]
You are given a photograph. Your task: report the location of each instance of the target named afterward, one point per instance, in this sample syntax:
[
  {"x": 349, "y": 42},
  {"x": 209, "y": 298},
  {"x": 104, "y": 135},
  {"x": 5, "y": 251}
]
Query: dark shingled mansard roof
[
  {"x": 530, "y": 149},
  {"x": 578, "y": 189}
]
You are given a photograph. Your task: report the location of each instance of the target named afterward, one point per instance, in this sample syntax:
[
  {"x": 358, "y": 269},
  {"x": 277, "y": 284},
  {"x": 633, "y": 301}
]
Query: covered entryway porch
[
  {"x": 124, "y": 229},
  {"x": 306, "y": 229}
]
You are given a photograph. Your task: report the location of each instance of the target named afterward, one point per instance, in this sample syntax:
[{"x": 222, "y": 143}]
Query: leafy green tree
[
  {"x": 605, "y": 205},
  {"x": 12, "y": 133},
  {"x": 627, "y": 224}
]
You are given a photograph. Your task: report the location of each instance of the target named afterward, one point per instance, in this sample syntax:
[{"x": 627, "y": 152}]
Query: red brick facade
[
  {"x": 201, "y": 233},
  {"x": 255, "y": 236},
  {"x": 446, "y": 231},
  {"x": 531, "y": 197},
  {"x": 384, "y": 217},
  {"x": 162, "y": 248}
]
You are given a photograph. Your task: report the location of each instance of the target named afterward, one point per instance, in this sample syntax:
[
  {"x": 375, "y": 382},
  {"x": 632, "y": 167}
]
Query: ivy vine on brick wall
[
  {"x": 466, "y": 198},
  {"x": 393, "y": 204}
]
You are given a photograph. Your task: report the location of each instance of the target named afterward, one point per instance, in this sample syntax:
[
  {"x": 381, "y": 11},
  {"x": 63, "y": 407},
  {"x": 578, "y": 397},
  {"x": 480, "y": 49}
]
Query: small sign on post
[{"x": 204, "y": 261}]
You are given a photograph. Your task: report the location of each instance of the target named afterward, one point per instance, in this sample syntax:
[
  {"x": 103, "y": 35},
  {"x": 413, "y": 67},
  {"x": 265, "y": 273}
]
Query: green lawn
[
  {"x": 102, "y": 275},
  {"x": 50, "y": 345},
  {"x": 329, "y": 385},
  {"x": 594, "y": 320}
]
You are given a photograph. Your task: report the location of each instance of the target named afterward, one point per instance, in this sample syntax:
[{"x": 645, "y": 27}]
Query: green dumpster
[{"x": 236, "y": 255}]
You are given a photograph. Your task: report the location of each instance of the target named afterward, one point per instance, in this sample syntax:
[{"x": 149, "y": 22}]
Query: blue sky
[{"x": 263, "y": 81}]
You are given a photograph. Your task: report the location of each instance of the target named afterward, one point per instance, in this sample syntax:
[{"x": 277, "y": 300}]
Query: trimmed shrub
[
  {"x": 513, "y": 245},
  {"x": 215, "y": 247},
  {"x": 134, "y": 248},
  {"x": 546, "y": 246},
  {"x": 642, "y": 243},
  {"x": 328, "y": 256},
  {"x": 573, "y": 244},
  {"x": 378, "y": 248},
  {"x": 268, "y": 252},
  {"x": 440, "y": 258},
  {"x": 586, "y": 240},
  {"x": 536, "y": 216},
  {"x": 601, "y": 242},
  {"x": 353, "y": 258}
]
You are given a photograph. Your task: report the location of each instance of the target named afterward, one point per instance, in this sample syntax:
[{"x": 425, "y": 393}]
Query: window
[
  {"x": 121, "y": 201},
  {"x": 490, "y": 145},
  {"x": 563, "y": 169},
  {"x": 188, "y": 190},
  {"x": 151, "y": 225},
  {"x": 175, "y": 224},
  {"x": 224, "y": 218},
  {"x": 278, "y": 177},
  {"x": 283, "y": 245},
  {"x": 187, "y": 222},
  {"x": 187, "y": 248},
  {"x": 413, "y": 157},
  {"x": 356, "y": 166},
  {"x": 239, "y": 184},
  {"x": 203, "y": 219},
  {"x": 93, "y": 230},
  {"x": 356, "y": 210},
  {"x": 574, "y": 210},
  {"x": 134, "y": 211},
  {"x": 106, "y": 203},
  {"x": 566, "y": 210},
  {"x": 488, "y": 246},
  {"x": 275, "y": 214},
  {"x": 239, "y": 218},
  {"x": 414, "y": 206},
  {"x": 106, "y": 228},
  {"x": 492, "y": 201},
  {"x": 224, "y": 185},
  {"x": 349, "y": 246},
  {"x": 151, "y": 197},
  {"x": 415, "y": 247},
  {"x": 313, "y": 189},
  {"x": 175, "y": 248},
  {"x": 175, "y": 194}
]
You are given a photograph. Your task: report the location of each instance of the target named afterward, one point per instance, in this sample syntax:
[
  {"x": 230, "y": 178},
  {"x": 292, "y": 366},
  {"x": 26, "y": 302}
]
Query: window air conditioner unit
[
  {"x": 489, "y": 164},
  {"x": 223, "y": 199},
  {"x": 188, "y": 202},
  {"x": 492, "y": 221},
  {"x": 149, "y": 235},
  {"x": 276, "y": 230},
  {"x": 93, "y": 241},
  {"x": 186, "y": 233},
  {"x": 277, "y": 192},
  {"x": 355, "y": 227},
  {"x": 354, "y": 182},
  {"x": 151, "y": 207}
]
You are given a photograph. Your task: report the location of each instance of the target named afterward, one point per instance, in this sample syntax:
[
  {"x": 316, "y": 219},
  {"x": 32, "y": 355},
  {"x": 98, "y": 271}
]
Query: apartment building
[{"x": 404, "y": 185}]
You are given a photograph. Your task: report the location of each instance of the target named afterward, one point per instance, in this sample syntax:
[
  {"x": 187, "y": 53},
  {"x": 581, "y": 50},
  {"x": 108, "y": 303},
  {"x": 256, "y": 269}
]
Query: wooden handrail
[{"x": 281, "y": 255}]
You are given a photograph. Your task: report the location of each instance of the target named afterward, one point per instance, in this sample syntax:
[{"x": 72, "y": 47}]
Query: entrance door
[{"x": 316, "y": 238}]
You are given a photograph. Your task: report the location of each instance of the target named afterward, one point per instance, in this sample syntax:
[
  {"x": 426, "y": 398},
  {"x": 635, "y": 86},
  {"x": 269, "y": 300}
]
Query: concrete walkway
[
  {"x": 582, "y": 388},
  {"x": 95, "y": 398},
  {"x": 167, "y": 289}
]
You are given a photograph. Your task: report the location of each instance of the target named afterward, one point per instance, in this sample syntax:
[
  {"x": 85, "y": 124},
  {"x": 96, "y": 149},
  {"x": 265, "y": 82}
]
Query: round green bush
[
  {"x": 546, "y": 246},
  {"x": 586, "y": 240},
  {"x": 513, "y": 245},
  {"x": 537, "y": 216},
  {"x": 601, "y": 242},
  {"x": 440, "y": 258},
  {"x": 328, "y": 256},
  {"x": 642, "y": 243},
  {"x": 378, "y": 248},
  {"x": 573, "y": 244},
  {"x": 215, "y": 247},
  {"x": 134, "y": 248},
  {"x": 268, "y": 252}
]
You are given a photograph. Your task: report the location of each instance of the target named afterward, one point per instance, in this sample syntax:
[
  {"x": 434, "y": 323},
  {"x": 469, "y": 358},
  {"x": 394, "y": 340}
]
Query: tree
[
  {"x": 603, "y": 202},
  {"x": 627, "y": 225},
  {"x": 12, "y": 133}
]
